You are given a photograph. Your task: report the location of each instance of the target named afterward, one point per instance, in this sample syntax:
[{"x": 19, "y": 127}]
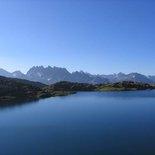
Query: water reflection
[
  {"x": 16, "y": 103},
  {"x": 87, "y": 123},
  {"x": 114, "y": 94}
]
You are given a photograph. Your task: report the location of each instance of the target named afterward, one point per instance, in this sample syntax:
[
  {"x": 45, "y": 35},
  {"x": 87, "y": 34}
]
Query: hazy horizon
[
  {"x": 74, "y": 71},
  {"x": 97, "y": 36}
]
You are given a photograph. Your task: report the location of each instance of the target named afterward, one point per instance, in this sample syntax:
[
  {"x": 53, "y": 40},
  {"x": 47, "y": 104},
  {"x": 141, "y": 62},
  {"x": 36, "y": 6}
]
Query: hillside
[
  {"x": 119, "y": 86},
  {"x": 71, "y": 86},
  {"x": 17, "y": 89},
  {"x": 124, "y": 86},
  {"x": 12, "y": 89}
]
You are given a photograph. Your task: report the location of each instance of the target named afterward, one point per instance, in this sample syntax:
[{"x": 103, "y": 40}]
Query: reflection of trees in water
[{"x": 16, "y": 103}]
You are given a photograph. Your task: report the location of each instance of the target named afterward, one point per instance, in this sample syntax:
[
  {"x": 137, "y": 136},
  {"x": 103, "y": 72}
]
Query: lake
[{"x": 86, "y": 123}]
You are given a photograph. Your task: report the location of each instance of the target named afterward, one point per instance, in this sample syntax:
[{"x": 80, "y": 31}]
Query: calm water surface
[{"x": 90, "y": 123}]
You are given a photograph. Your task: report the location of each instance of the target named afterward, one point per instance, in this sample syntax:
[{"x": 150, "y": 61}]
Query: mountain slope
[
  {"x": 135, "y": 77},
  {"x": 11, "y": 89},
  {"x": 50, "y": 75},
  {"x": 18, "y": 74},
  {"x": 5, "y": 73},
  {"x": 47, "y": 75},
  {"x": 36, "y": 84}
]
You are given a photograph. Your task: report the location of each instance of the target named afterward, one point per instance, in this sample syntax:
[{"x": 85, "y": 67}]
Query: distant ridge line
[{"x": 50, "y": 75}]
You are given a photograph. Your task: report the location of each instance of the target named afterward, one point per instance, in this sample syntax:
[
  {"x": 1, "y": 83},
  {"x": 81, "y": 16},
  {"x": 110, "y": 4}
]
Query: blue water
[{"x": 87, "y": 123}]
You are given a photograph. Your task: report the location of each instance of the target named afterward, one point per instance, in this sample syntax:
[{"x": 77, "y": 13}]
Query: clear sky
[{"x": 97, "y": 36}]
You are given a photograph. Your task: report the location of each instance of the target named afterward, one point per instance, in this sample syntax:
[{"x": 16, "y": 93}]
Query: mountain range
[{"x": 50, "y": 75}]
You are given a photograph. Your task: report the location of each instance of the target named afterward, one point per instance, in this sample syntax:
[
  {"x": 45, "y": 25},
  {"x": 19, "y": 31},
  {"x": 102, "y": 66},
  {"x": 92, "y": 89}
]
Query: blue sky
[{"x": 97, "y": 36}]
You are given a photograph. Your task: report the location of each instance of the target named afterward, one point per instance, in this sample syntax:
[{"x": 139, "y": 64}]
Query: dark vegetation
[
  {"x": 16, "y": 89},
  {"x": 71, "y": 86},
  {"x": 126, "y": 85},
  {"x": 23, "y": 90},
  {"x": 36, "y": 84}
]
